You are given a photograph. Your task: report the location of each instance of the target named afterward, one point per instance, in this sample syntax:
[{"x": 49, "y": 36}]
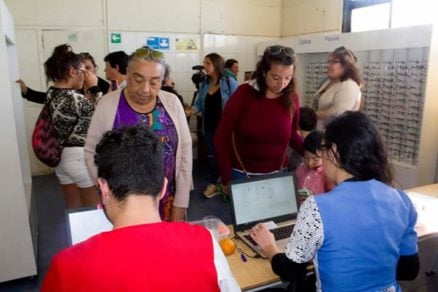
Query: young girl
[{"x": 310, "y": 173}]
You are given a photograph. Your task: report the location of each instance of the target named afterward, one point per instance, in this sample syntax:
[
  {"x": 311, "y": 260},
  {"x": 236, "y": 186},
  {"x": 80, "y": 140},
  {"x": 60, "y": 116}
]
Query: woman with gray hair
[{"x": 143, "y": 102}]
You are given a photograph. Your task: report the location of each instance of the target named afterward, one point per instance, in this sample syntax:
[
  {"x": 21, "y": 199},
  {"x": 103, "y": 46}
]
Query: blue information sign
[
  {"x": 164, "y": 44},
  {"x": 158, "y": 43},
  {"x": 152, "y": 42}
]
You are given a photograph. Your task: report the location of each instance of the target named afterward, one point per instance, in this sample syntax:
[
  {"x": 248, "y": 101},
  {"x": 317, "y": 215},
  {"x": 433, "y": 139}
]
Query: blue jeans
[{"x": 213, "y": 171}]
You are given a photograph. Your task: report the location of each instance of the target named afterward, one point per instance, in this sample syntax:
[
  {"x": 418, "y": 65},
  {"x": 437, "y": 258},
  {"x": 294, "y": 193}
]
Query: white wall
[
  {"x": 241, "y": 17},
  {"x": 242, "y": 48},
  {"x": 311, "y": 16},
  {"x": 230, "y": 17},
  {"x": 55, "y": 13},
  {"x": 163, "y": 15}
]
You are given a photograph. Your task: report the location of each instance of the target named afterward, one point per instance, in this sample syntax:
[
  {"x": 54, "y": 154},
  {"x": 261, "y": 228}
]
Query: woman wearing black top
[{"x": 213, "y": 94}]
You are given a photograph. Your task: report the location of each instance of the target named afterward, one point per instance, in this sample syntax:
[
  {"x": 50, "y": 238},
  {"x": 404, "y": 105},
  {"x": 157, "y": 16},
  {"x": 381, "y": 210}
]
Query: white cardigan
[
  {"x": 103, "y": 120},
  {"x": 336, "y": 98}
]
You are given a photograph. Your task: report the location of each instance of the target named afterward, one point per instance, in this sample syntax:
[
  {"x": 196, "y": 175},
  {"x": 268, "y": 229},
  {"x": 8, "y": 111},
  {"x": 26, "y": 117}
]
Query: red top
[
  {"x": 262, "y": 128},
  {"x": 150, "y": 257}
]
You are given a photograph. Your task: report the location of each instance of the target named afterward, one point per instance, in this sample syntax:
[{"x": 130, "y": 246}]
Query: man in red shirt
[{"x": 141, "y": 253}]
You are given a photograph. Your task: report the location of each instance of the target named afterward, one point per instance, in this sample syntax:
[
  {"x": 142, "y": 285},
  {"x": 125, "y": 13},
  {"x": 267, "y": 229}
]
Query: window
[
  {"x": 360, "y": 15},
  {"x": 371, "y": 17},
  {"x": 410, "y": 12}
]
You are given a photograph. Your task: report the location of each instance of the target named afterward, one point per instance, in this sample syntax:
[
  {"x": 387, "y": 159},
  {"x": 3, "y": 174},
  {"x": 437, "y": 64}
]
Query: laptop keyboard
[
  {"x": 283, "y": 232},
  {"x": 279, "y": 233}
]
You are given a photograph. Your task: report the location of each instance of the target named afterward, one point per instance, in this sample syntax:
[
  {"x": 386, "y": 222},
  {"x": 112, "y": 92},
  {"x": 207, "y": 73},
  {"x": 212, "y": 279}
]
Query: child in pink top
[{"x": 310, "y": 173}]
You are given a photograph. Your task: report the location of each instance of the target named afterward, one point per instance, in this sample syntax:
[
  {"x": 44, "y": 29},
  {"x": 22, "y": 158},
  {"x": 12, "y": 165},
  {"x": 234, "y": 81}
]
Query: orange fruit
[{"x": 228, "y": 246}]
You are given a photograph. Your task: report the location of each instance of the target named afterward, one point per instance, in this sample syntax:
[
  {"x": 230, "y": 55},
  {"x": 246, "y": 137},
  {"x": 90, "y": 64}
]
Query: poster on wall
[
  {"x": 158, "y": 43},
  {"x": 185, "y": 44}
]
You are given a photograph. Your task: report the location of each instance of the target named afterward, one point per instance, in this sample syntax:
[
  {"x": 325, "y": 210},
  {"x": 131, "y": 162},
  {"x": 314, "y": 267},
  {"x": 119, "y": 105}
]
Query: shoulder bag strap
[
  {"x": 237, "y": 155},
  {"x": 239, "y": 159},
  {"x": 287, "y": 144},
  {"x": 284, "y": 157}
]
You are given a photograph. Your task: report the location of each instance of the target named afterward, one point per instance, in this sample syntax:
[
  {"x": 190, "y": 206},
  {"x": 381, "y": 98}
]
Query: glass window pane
[
  {"x": 408, "y": 12},
  {"x": 370, "y": 18}
]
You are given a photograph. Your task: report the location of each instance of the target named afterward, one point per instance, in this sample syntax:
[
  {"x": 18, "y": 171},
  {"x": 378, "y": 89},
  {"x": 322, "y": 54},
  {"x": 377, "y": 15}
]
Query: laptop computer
[
  {"x": 82, "y": 223},
  {"x": 271, "y": 199}
]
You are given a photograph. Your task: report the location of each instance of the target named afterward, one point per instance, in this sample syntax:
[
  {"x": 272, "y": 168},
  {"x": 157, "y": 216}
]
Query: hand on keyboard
[{"x": 264, "y": 239}]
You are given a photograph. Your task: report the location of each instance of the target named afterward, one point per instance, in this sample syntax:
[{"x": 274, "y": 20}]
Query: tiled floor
[{"x": 52, "y": 236}]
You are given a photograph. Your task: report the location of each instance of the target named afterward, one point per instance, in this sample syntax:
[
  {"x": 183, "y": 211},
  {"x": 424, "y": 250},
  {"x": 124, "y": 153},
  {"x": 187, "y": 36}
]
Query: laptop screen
[
  {"x": 83, "y": 223},
  {"x": 262, "y": 199}
]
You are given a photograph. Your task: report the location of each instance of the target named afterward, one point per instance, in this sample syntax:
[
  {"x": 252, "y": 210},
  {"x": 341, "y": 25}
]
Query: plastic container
[{"x": 215, "y": 225}]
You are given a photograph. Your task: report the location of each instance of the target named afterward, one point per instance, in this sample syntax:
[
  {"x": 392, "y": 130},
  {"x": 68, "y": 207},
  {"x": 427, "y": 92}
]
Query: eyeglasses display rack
[{"x": 393, "y": 90}]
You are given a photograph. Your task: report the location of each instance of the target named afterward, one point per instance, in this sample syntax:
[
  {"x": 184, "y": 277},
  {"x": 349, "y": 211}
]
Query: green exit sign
[{"x": 116, "y": 38}]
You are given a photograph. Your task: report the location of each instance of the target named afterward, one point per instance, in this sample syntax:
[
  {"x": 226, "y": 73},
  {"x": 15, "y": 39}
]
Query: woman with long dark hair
[
  {"x": 361, "y": 235},
  {"x": 213, "y": 95},
  {"x": 260, "y": 120},
  {"x": 71, "y": 116}
]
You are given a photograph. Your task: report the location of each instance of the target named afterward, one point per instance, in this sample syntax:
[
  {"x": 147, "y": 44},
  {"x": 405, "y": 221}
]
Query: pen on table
[{"x": 242, "y": 256}]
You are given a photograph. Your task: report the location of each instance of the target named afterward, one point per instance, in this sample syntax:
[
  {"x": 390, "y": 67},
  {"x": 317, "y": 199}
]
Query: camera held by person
[{"x": 199, "y": 76}]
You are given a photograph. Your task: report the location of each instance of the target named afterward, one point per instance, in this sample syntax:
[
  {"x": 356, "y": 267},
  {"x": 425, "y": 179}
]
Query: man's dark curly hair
[{"x": 131, "y": 161}]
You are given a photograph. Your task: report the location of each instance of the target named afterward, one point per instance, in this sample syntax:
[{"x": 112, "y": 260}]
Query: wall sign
[
  {"x": 116, "y": 38},
  {"x": 158, "y": 43},
  {"x": 183, "y": 44}
]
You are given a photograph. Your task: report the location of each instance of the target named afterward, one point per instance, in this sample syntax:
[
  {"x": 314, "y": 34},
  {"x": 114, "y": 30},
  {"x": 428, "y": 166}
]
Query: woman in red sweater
[{"x": 260, "y": 120}]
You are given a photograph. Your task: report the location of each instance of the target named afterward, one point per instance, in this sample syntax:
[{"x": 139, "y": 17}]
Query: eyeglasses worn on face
[
  {"x": 276, "y": 50},
  {"x": 146, "y": 52}
]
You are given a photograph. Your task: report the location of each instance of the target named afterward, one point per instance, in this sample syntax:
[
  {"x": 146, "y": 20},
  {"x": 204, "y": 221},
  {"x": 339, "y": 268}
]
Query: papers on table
[{"x": 427, "y": 209}]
